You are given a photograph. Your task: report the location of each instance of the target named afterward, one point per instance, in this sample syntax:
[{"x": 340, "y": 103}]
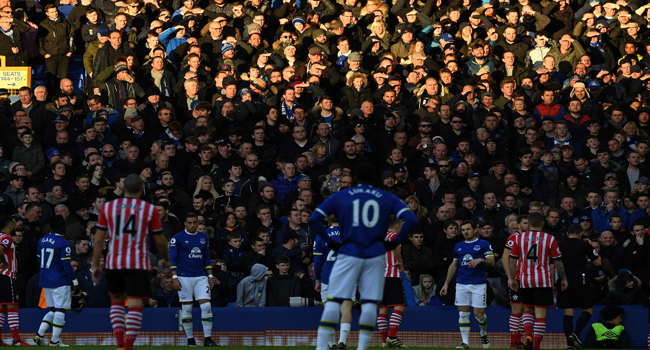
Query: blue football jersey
[
  {"x": 324, "y": 257},
  {"x": 363, "y": 213},
  {"x": 53, "y": 252},
  {"x": 465, "y": 252},
  {"x": 189, "y": 254}
]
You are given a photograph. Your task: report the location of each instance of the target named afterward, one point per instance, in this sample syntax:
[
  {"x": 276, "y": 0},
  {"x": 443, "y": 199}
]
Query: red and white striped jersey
[
  {"x": 535, "y": 250},
  {"x": 10, "y": 255},
  {"x": 391, "y": 259},
  {"x": 129, "y": 222},
  {"x": 509, "y": 243}
]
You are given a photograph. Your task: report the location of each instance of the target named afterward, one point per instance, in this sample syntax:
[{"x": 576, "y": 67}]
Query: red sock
[
  {"x": 382, "y": 323},
  {"x": 540, "y": 329},
  {"x": 649, "y": 341},
  {"x": 395, "y": 321},
  {"x": 133, "y": 324},
  {"x": 117, "y": 321},
  {"x": 515, "y": 321},
  {"x": 529, "y": 320},
  {"x": 12, "y": 314}
]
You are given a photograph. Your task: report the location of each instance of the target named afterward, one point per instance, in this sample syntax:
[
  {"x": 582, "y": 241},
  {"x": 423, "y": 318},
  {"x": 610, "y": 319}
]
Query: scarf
[
  {"x": 288, "y": 112},
  {"x": 177, "y": 143},
  {"x": 157, "y": 78},
  {"x": 341, "y": 62},
  {"x": 9, "y": 33}
]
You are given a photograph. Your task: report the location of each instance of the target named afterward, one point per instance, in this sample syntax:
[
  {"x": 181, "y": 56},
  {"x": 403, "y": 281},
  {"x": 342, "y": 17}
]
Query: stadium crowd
[{"x": 251, "y": 113}]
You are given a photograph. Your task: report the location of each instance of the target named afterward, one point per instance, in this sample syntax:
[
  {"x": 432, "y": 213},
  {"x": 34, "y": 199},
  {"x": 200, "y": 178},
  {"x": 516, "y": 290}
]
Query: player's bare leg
[
  {"x": 346, "y": 323},
  {"x": 482, "y": 320}
]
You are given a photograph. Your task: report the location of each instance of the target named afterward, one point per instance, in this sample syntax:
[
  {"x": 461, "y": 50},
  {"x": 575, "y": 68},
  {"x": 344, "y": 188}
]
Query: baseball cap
[
  {"x": 611, "y": 175},
  {"x": 447, "y": 37},
  {"x": 594, "y": 85},
  {"x": 222, "y": 142},
  {"x": 315, "y": 50},
  {"x": 61, "y": 119},
  {"x": 473, "y": 174},
  {"x": 643, "y": 180},
  {"x": 355, "y": 57}
]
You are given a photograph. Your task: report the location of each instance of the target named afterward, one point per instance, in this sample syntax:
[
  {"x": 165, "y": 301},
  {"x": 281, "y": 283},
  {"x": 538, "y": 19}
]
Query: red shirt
[
  {"x": 509, "y": 243},
  {"x": 391, "y": 259},
  {"x": 10, "y": 255},
  {"x": 129, "y": 222},
  {"x": 535, "y": 250}
]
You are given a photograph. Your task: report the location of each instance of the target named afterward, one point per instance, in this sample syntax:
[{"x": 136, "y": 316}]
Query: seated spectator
[
  {"x": 624, "y": 289},
  {"x": 283, "y": 284},
  {"x": 251, "y": 292},
  {"x": 424, "y": 290},
  {"x": 167, "y": 296},
  {"x": 608, "y": 332}
]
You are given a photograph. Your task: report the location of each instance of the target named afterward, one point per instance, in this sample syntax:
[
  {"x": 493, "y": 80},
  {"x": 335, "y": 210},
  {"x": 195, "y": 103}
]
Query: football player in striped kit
[{"x": 393, "y": 292}]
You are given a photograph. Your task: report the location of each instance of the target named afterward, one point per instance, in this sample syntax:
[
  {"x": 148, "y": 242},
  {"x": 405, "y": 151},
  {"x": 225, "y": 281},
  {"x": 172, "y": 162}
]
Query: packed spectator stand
[{"x": 252, "y": 113}]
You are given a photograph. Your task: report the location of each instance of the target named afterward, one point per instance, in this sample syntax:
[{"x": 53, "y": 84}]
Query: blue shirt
[
  {"x": 324, "y": 257},
  {"x": 363, "y": 213},
  {"x": 53, "y": 254},
  {"x": 189, "y": 254},
  {"x": 465, "y": 252}
]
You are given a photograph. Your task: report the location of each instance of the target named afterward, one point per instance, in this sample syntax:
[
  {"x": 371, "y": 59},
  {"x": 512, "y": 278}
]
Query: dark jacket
[
  {"x": 7, "y": 43},
  {"x": 279, "y": 288},
  {"x": 97, "y": 294},
  {"x": 418, "y": 261},
  {"x": 167, "y": 300},
  {"x": 54, "y": 36}
]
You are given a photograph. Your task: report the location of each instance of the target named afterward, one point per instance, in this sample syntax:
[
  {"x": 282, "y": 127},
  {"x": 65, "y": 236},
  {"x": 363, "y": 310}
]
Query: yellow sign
[{"x": 13, "y": 78}]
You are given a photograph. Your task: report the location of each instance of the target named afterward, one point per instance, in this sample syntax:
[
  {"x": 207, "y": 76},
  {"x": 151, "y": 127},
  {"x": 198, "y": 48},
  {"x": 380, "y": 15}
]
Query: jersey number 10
[{"x": 369, "y": 218}]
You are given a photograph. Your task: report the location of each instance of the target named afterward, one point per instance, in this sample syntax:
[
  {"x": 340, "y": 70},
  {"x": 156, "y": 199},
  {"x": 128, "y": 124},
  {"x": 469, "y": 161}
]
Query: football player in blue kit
[
  {"x": 470, "y": 259},
  {"x": 363, "y": 213},
  {"x": 53, "y": 253},
  {"x": 324, "y": 259},
  {"x": 189, "y": 255}
]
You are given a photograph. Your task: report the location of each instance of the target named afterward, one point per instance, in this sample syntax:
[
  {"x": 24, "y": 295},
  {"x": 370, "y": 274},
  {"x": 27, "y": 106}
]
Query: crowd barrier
[{"x": 421, "y": 327}]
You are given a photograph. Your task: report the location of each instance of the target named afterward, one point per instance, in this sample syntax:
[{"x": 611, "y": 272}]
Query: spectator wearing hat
[
  {"x": 123, "y": 84},
  {"x": 157, "y": 107},
  {"x": 388, "y": 184},
  {"x": 577, "y": 121},
  {"x": 625, "y": 289}
]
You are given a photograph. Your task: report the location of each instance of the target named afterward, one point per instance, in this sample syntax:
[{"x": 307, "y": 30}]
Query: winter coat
[
  {"x": 283, "y": 186},
  {"x": 7, "y": 43},
  {"x": 55, "y": 37},
  {"x": 32, "y": 158}
]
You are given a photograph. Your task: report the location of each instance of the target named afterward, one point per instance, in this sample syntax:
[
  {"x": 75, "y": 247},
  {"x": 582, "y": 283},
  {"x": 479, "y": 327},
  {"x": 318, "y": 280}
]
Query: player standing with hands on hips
[
  {"x": 470, "y": 259},
  {"x": 189, "y": 255},
  {"x": 53, "y": 253},
  {"x": 128, "y": 222},
  {"x": 534, "y": 251},
  {"x": 363, "y": 213}
]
